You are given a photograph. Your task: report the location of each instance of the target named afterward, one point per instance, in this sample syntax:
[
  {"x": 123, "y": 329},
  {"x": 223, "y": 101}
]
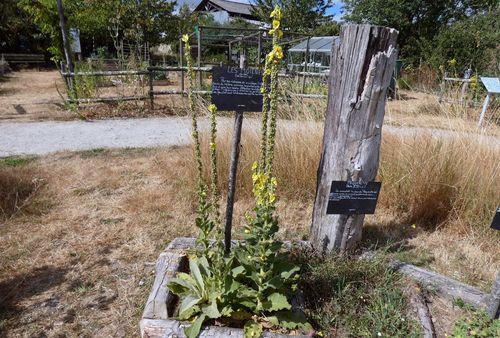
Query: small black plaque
[
  {"x": 496, "y": 220},
  {"x": 235, "y": 89},
  {"x": 353, "y": 198}
]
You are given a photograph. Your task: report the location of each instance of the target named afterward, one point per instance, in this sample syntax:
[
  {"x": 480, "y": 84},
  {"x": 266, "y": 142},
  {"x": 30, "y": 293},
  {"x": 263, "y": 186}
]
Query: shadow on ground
[{"x": 23, "y": 286}]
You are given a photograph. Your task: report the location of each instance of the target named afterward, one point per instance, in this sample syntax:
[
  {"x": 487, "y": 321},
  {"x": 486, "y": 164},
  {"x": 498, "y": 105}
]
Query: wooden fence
[{"x": 152, "y": 93}]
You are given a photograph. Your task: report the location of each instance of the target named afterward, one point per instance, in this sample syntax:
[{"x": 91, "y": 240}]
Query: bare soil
[{"x": 31, "y": 95}]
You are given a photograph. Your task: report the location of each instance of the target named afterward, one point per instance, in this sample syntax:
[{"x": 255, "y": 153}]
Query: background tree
[
  {"x": 298, "y": 15},
  {"x": 100, "y": 21},
  {"x": 418, "y": 21},
  {"x": 473, "y": 43},
  {"x": 17, "y": 32}
]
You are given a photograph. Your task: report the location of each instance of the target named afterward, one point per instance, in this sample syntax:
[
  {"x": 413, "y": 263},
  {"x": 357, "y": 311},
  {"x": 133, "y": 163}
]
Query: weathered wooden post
[
  {"x": 493, "y": 306},
  {"x": 360, "y": 73},
  {"x": 66, "y": 47},
  {"x": 151, "y": 88},
  {"x": 181, "y": 53}
]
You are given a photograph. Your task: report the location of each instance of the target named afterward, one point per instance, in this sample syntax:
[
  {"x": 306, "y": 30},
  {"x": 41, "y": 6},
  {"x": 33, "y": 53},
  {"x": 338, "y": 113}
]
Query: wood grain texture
[
  {"x": 443, "y": 285},
  {"x": 360, "y": 73},
  {"x": 161, "y": 301},
  {"x": 493, "y": 307}
]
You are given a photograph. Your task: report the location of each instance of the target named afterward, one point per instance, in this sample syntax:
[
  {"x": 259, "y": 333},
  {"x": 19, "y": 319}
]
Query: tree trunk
[{"x": 360, "y": 72}]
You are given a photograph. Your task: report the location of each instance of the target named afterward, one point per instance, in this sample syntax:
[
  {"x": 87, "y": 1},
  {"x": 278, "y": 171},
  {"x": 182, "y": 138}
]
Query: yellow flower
[
  {"x": 255, "y": 165},
  {"x": 452, "y": 62},
  {"x": 213, "y": 146},
  {"x": 185, "y": 38},
  {"x": 276, "y": 13},
  {"x": 212, "y": 108},
  {"x": 276, "y": 24}
]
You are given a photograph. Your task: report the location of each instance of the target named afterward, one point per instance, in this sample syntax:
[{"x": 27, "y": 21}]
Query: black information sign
[
  {"x": 353, "y": 198},
  {"x": 236, "y": 89},
  {"x": 496, "y": 220}
]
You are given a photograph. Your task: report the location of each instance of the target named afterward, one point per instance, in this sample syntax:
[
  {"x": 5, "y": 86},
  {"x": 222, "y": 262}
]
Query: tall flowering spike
[
  {"x": 274, "y": 58},
  {"x": 194, "y": 119},
  {"x": 213, "y": 160}
]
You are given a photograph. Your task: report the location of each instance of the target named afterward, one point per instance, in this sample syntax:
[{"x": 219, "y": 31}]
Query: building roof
[
  {"x": 317, "y": 44},
  {"x": 232, "y": 7}
]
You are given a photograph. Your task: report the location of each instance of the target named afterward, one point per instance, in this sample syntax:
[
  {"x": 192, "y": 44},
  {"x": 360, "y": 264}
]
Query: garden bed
[{"x": 158, "y": 316}]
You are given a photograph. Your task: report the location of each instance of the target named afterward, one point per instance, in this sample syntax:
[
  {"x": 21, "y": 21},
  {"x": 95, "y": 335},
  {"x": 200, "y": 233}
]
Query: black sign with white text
[
  {"x": 496, "y": 220},
  {"x": 353, "y": 198},
  {"x": 235, "y": 89}
]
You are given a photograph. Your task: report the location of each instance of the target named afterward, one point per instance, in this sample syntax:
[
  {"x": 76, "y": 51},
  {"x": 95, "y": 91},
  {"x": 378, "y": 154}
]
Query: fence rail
[{"x": 152, "y": 93}]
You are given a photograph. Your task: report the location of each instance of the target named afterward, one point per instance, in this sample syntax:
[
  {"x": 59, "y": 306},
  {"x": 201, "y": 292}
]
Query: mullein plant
[{"x": 252, "y": 283}]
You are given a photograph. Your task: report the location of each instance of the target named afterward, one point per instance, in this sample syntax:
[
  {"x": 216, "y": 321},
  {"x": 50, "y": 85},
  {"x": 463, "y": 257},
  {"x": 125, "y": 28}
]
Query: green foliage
[
  {"x": 250, "y": 284},
  {"x": 354, "y": 298},
  {"x": 16, "y": 161},
  {"x": 476, "y": 324},
  {"x": 471, "y": 42},
  {"x": 98, "y": 20},
  {"x": 418, "y": 21},
  {"x": 298, "y": 15}
]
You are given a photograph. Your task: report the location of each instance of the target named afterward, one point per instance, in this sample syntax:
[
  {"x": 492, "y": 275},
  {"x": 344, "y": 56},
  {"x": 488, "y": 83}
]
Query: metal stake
[{"x": 235, "y": 153}]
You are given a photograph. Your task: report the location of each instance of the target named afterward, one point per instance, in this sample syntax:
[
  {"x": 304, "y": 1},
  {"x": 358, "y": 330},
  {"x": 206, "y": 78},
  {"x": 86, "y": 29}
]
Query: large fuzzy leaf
[
  {"x": 181, "y": 286},
  {"x": 195, "y": 271},
  {"x": 211, "y": 310},
  {"x": 252, "y": 330},
  {"x": 194, "y": 329},
  {"x": 187, "y": 303},
  {"x": 277, "y": 301},
  {"x": 290, "y": 320}
]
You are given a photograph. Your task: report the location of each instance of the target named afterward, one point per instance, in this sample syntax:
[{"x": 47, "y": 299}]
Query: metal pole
[
  {"x": 485, "y": 108},
  {"x": 235, "y": 153},
  {"x": 305, "y": 66},
  {"x": 181, "y": 55},
  {"x": 66, "y": 46}
]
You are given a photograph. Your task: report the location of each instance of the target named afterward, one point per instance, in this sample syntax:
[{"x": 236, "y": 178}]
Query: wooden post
[
  {"x": 465, "y": 85},
  {"x": 259, "y": 49},
  {"x": 151, "y": 88},
  {"x": 235, "y": 153},
  {"x": 306, "y": 59},
  {"x": 181, "y": 55},
  {"x": 66, "y": 46},
  {"x": 493, "y": 307},
  {"x": 360, "y": 72},
  {"x": 199, "y": 58}
]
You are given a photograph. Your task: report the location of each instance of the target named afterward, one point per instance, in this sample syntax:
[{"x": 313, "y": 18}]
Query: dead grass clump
[
  {"x": 296, "y": 158},
  {"x": 19, "y": 184},
  {"x": 441, "y": 180}
]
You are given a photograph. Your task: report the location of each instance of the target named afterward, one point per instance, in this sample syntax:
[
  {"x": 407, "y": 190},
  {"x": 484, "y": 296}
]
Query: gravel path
[{"x": 39, "y": 138}]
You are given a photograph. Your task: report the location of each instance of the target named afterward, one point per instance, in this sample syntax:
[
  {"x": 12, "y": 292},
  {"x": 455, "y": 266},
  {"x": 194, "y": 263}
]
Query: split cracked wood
[{"x": 360, "y": 72}]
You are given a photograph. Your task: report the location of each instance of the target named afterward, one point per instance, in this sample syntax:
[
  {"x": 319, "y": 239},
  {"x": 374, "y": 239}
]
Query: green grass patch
[
  {"x": 92, "y": 152},
  {"x": 16, "y": 161},
  {"x": 476, "y": 323},
  {"x": 355, "y": 298}
]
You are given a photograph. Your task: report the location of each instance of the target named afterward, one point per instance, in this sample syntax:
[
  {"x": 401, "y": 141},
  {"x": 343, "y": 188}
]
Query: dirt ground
[{"x": 32, "y": 95}]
